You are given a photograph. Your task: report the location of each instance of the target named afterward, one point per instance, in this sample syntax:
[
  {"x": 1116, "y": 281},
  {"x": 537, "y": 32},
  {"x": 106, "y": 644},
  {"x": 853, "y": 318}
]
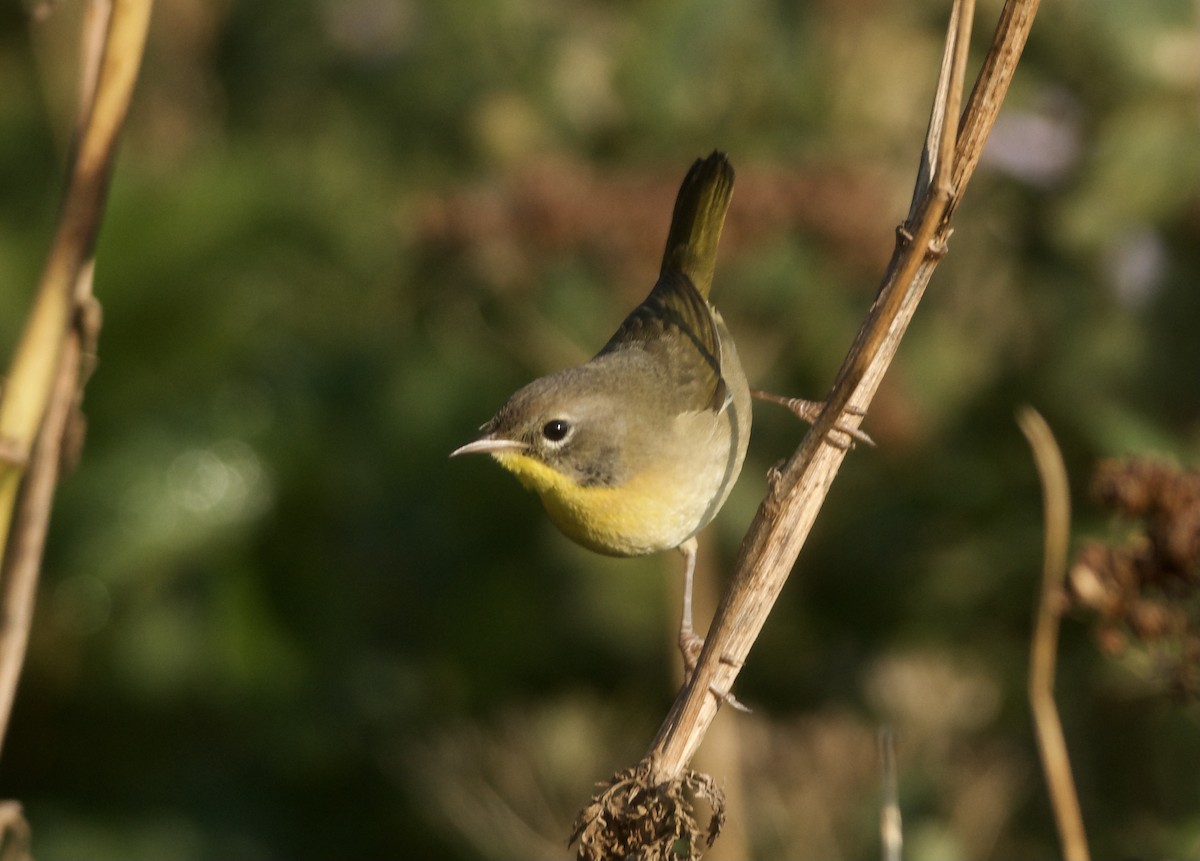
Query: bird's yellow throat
[{"x": 618, "y": 521}]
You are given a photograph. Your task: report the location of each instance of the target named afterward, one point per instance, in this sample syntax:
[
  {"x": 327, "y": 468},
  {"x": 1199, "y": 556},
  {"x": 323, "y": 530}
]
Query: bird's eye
[{"x": 556, "y": 430}]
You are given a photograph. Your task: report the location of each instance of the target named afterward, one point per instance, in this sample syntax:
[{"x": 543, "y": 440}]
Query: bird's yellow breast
[{"x": 646, "y": 514}]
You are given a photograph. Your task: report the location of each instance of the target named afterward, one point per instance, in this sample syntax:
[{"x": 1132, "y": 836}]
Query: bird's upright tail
[{"x": 700, "y": 209}]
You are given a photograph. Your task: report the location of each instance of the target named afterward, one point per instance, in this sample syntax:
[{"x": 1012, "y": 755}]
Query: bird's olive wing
[{"x": 675, "y": 328}]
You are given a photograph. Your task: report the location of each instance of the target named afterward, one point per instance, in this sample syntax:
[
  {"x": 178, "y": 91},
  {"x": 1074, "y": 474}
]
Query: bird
[{"x": 635, "y": 451}]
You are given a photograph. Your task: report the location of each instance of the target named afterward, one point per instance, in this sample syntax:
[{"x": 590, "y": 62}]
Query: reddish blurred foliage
[{"x": 559, "y": 206}]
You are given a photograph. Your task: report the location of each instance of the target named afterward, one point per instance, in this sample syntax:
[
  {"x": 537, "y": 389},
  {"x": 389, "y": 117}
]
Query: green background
[{"x": 276, "y": 621}]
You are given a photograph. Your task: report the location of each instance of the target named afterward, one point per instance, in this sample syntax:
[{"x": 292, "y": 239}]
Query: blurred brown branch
[
  {"x": 798, "y": 490},
  {"x": 1043, "y": 659},
  {"x": 51, "y": 360}
]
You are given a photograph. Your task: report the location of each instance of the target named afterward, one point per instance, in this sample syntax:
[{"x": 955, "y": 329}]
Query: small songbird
[{"x": 636, "y": 450}]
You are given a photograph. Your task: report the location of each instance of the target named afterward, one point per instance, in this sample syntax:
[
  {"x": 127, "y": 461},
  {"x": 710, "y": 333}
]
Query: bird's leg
[
  {"x": 690, "y": 643},
  {"x": 808, "y": 411}
]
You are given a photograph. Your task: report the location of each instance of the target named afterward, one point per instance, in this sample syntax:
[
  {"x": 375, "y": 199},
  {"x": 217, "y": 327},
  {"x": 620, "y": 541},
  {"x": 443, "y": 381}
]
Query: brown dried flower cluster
[
  {"x": 633, "y": 818},
  {"x": 1146, "y": 593}
]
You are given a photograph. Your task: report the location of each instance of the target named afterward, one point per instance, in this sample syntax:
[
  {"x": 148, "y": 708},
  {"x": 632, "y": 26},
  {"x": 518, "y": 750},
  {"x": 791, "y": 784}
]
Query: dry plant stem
[
  {"x": 96, "y": 17},
  {"x": 1044, "y": 652},
  {"x": 39, "y": 349},
  {"x": 43, "y": 381},
  {"x": 797, "y": 492},
  {"x": 891, "y": 829},
  {"x": 29, "y": 529},
  {"x": 1012, "y": 30},
  {"x": 14, "y": 833}
]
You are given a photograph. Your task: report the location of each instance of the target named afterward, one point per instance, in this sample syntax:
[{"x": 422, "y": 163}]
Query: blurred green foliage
[{"x": 277, "y": 622}]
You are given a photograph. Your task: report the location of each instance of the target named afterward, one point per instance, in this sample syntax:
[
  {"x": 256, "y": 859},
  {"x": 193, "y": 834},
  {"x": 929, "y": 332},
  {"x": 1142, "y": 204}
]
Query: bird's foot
[
  {"x": 690, "y": 645},
  {"x": 808, "y": 411}
]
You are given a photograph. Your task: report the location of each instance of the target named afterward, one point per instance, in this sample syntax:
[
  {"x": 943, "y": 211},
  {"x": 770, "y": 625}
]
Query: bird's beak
[{"x": 489, "y": 445}]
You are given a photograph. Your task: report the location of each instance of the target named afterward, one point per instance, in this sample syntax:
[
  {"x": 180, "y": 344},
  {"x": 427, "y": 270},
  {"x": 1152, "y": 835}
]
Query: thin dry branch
[
  {"x": 14, "y": 833},
  {"x": 1052, "y": 745},
  {"x": 44, "y": 381},
  {"x": 891, "y": 828},
  {"x": 796, "y": 492}
]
